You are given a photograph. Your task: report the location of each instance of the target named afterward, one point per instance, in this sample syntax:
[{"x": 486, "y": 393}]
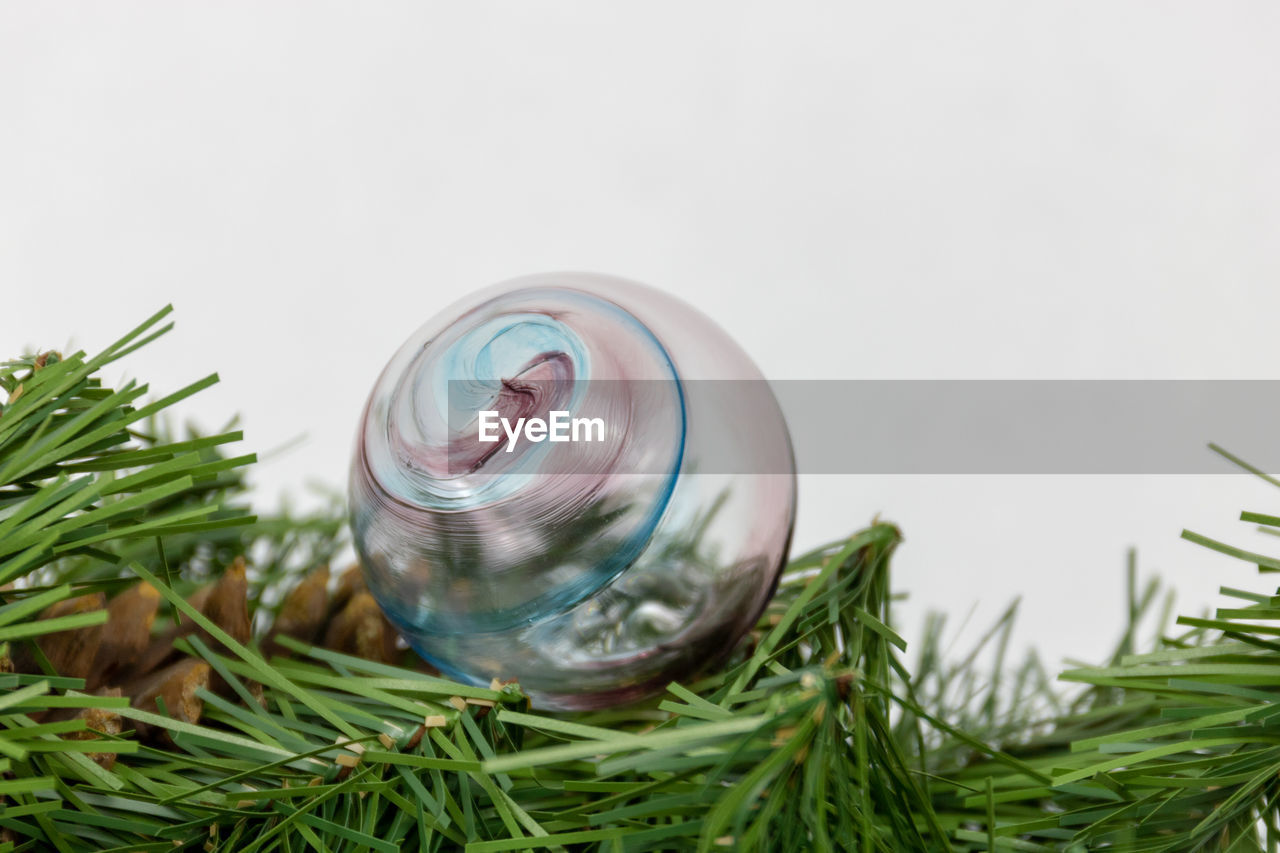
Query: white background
[{"x": 889, "y": 190}]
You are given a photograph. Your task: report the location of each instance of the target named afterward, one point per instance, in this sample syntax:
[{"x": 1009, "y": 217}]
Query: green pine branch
[{"x": 817, "y": 735}]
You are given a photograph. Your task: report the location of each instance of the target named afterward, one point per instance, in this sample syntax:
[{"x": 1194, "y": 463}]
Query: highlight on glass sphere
[{"x": 576, "y": 482}]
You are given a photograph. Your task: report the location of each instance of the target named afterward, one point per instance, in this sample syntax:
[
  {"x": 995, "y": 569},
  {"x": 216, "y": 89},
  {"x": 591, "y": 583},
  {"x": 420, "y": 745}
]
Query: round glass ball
[{"x": 593, "y": 572}]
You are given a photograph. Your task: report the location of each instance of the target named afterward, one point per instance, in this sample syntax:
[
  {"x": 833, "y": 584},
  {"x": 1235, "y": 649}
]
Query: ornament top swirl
[{"x": 592, "y": 568}]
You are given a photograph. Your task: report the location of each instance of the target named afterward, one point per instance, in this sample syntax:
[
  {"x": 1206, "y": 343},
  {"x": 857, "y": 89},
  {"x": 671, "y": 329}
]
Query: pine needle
[{"x": 816, "y": 735}]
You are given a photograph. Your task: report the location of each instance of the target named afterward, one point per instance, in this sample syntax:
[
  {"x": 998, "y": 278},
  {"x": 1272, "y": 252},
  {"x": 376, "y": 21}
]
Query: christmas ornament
[{"x": 573, "y": 481}]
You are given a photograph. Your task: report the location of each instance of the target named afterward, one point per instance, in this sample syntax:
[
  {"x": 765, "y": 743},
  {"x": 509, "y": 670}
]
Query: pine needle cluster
[{"x": 815, "y": 736}]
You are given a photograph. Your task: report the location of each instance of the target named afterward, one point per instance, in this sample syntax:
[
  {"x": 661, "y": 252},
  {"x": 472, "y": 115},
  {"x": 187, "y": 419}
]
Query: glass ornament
[{"x": 592, "y": 572}]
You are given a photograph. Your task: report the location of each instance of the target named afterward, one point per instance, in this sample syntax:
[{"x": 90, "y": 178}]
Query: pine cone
[{"x": 127, "y": 656}]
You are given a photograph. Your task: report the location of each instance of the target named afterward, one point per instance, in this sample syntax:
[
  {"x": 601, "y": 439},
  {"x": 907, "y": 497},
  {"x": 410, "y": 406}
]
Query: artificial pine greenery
[{"x": 816, "y": 736}]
